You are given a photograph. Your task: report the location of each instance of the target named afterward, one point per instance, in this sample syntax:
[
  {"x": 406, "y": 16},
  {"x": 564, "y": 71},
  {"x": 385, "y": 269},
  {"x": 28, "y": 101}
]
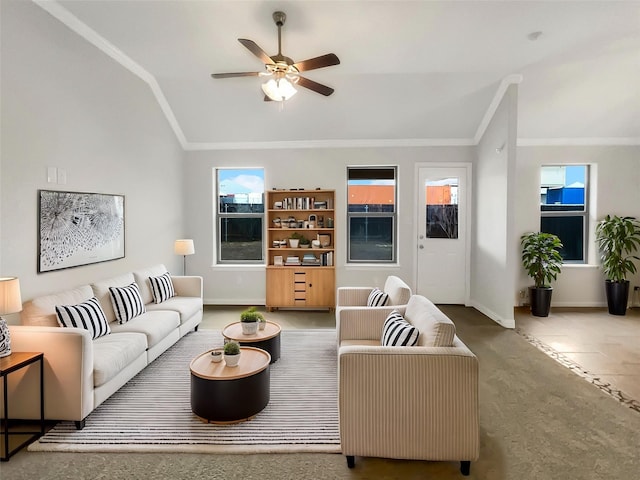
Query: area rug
[{"x": 152, "y": 412}]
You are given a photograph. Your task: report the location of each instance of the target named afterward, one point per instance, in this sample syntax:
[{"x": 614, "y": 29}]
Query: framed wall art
[{"x": 78, "y": 228}]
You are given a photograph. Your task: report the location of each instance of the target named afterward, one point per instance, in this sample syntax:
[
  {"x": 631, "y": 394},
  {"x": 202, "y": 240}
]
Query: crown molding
[{"x": 578, "y": 142}]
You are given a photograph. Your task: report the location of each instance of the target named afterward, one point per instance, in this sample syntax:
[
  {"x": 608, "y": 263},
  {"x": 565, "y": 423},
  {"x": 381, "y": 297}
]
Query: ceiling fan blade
[
  {"x": 318, "y": 62},
  {"x": 315, "y": 86},
  {"x": 239, "y": 74},
  {"x": 256, "y": 50}
]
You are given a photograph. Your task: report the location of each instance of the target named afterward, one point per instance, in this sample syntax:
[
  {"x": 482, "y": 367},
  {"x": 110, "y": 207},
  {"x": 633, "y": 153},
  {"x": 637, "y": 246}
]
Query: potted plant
[
  {"x": 250, "y": 319},
  {"x": 542, "y": 260},
  {"x": 295, "y": 239},
  {"x": 617, "y": 239},
  {"x": 304, "y": 242},
  {"x": 231, "y": 353}
]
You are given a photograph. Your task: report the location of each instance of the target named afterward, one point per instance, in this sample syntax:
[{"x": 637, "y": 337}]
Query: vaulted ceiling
[{"x": 411, "y": 72}]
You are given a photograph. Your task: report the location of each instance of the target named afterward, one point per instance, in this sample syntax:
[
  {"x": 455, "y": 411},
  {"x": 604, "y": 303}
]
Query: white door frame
[{"x": 468, "y": 219}]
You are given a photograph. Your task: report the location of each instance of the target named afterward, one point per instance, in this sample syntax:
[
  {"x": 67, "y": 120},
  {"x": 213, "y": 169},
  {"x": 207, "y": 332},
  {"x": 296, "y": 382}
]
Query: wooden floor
[{"x": 604, "y": 345}]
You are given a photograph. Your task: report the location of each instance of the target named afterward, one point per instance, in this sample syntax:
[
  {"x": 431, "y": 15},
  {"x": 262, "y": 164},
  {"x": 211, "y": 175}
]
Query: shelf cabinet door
[
  {"x": 320, "y": 290},
  {"x": 280, "y": 287}
]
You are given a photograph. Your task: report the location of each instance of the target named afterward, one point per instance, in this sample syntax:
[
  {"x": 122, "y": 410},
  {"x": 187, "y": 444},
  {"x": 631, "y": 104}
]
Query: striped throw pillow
[
  {"x": 88, "y": 315},
  {"x": 127, "y": 302},
  {"x": 397, "y": 332},
  {"x": 377, "y": 298},
  {"x": 162, "y": 287}
]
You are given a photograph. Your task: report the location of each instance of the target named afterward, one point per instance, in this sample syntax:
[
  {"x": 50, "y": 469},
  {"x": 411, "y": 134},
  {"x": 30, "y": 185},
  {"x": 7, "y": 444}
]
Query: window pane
[
  {"x": 240, "y": 238},
  {"x": 371, "y": 190},
  {"x": 563, "y": 187},
  {"x": 371, "y": 239},
  {"x": 570, "y": 231},
  {"x": 241, "y": 190},
  {"x": 442, "y": 208}
]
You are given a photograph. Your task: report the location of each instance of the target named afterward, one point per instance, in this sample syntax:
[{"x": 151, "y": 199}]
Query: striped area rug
[{"x": 152, "y": 412}]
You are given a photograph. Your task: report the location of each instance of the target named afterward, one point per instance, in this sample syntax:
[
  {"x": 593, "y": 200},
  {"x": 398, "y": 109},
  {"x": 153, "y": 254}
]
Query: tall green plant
[
  {"x": 617, "y": 239},
  {"x": 541, "y": 257}
]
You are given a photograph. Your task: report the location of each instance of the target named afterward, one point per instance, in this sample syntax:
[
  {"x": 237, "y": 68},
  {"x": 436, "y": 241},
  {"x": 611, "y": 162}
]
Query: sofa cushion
[
  {"x": 397, "y": 332},
  {"x": 377, "y": 298},
  {"x": 101, "y": 292},
  {"x": 185, "y": 306},
  {"x": 127, "y": 302},
  {"x": 436, "y": 329},
  {"x": 162, "y": 287},
  {"x": 41, "y": 311},
  {"x": 155, "y": 325},
  {"x": 142, "y": 279},
  {"x": 113, "y": 353},
  {"x": 87, "y": 315}
]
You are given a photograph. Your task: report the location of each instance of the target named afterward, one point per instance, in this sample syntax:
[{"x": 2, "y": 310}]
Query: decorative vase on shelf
[{"x": 293, "y": 242}]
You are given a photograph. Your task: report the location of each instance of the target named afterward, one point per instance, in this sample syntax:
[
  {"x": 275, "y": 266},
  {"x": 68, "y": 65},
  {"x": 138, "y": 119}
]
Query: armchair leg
[
  {"x": 351, "y": 461},
  {"x": 80, "y": 424},
  {"x": 465, "y": 467},
  {"x": 196, "y": 328}
]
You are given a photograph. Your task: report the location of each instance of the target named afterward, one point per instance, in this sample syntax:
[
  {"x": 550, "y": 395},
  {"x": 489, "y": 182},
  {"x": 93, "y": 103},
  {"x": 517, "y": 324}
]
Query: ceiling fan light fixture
[{"x": 279, "y": 89}]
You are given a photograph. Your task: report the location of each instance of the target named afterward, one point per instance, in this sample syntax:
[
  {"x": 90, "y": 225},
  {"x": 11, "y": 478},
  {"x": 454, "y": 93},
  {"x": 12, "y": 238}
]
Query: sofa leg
[
  {"x": 465, "y": 467},
  {"x": 80, "y": 424},
  {"x": 196, "y": 329},
  {"x": 351, "y": 461}
]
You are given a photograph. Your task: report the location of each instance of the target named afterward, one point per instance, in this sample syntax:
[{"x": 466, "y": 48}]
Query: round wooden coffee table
[
  {"x": 222, "y": 394},
  {"x": 267, "y": 339}
]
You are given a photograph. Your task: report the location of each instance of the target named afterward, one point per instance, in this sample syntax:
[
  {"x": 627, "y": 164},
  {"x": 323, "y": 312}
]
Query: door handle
[{"x": 420, "y": 246}]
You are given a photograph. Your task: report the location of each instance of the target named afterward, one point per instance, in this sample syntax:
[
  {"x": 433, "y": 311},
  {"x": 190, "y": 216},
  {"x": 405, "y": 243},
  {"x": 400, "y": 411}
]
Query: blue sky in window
[
  {"x": 574, "y": 174},
  {"x": 241, "y": 180}
]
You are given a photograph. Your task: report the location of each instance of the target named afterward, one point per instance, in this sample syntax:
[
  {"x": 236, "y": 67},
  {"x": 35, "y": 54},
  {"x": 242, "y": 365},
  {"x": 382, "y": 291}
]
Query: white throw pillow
[
  {"x": 127, "y": 302},
  {"x": 377, "y": 298},
  {"x": 87, "y": 315},
  {"x": 162, "y": 287},
  {"x": 397, "y": 332}
]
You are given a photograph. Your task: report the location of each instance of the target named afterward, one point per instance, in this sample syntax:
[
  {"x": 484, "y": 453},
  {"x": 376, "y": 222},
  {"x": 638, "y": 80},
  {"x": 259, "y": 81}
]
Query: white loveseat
[{"x": 80, "y": 372}]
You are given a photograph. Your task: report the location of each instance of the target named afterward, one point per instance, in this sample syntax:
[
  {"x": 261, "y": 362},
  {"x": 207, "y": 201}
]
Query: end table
[{"x": 10, "y": 364}]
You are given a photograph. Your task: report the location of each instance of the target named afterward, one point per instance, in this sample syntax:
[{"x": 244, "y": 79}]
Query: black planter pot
[
  {"x": 540, "y": 299},
  {"x": 617, "y": 296}
]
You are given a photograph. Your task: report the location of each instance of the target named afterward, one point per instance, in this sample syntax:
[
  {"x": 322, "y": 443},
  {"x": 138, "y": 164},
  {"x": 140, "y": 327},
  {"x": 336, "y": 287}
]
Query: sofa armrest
[
  {"x": 68, "y": 373},
  {"x": 353, "y": 296},
  {"x": 409, "y": 402},
  {"x": 362, "y": 323},
  {"x": 187, "y": 286}
]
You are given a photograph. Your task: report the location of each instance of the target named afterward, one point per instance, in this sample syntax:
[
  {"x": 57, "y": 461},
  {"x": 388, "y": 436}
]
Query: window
[
  {"x": 563, "y": 208},
  {"x": 240, "y": 215},
  {"x": 371, "y": 214}
]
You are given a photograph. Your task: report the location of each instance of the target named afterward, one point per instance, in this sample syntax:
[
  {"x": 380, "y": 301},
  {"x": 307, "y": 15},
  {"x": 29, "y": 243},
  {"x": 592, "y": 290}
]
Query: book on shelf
[
  {"x": 292, "y": 260},
  {"x": 277, "y": 260},
  {"x": 310, "y": 259},
  {"x": 326, "y": 259}
]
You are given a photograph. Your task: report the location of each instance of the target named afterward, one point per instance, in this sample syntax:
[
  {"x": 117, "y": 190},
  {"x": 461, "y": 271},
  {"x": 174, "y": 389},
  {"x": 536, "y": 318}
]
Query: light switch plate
[
  {"x": 62, "y": 176},
  {"x": 52, "y": 175}
]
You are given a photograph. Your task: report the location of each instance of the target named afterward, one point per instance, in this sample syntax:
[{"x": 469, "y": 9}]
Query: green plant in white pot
[
  {"x": 232, "y": 353},
  {"x": 542, "y": 260},
  {"x": 250, "y": 319},
  {"x": 618, "y": 238}
]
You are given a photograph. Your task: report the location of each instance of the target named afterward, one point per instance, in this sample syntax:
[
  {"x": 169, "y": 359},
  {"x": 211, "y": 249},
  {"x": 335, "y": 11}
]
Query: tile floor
[{"x": 606, "y": 346}]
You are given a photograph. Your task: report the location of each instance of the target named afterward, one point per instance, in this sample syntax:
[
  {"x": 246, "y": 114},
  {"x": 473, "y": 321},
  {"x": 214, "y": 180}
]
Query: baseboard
[
  {"x": 234, "y": 301},
  {"x": 505, "y": 322},
  {"x": 579, "y": 304}
]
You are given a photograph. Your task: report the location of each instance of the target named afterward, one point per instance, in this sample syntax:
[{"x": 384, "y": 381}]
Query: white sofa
[
  {"x": 407, "y": 402},
  {"x": 80, "y": 373}
]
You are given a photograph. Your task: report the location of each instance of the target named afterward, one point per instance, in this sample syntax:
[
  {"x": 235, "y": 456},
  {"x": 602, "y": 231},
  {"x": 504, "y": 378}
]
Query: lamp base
[{"x": 5, "y": 339}]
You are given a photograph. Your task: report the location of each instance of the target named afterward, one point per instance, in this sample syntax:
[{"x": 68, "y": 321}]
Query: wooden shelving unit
[{"x": 309, "y": 213}]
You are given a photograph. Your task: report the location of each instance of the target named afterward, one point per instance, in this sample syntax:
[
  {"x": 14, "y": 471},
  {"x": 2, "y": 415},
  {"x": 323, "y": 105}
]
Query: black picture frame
[{"x": 79, "y": 228}]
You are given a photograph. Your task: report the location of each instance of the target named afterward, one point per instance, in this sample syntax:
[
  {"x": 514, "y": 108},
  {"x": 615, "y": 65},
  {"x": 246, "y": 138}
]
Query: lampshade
[
  {"x": 184, "y": 247},
  {"x": 279, "y": 88},
  {"x": 10, "y": 300}
]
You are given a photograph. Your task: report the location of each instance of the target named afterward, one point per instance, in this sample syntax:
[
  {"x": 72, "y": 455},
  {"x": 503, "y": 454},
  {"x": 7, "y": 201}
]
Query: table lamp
[
  {"x": 10, "y": 302},
  {"x": 184, "y": 247}
]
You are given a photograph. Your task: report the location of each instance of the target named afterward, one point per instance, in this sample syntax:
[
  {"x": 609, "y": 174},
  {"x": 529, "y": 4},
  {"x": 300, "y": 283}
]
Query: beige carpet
[{"x": 538, "y": 421}]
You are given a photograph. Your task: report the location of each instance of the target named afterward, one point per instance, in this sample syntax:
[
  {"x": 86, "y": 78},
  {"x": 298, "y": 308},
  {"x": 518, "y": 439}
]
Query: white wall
[
  {"x": 615, "y": 189},
  {"x": 67, "y": 105},
  {"x": 303, "y": 168},
  {"x": 492, "y": 249}
]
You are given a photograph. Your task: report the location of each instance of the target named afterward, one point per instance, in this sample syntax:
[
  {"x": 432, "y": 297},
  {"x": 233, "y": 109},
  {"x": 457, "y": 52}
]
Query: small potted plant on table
[
  {"x": 542, "y": 260},
  {"x": 232, "y": 353},
  {"x": 250, "y": 320},
  {"x": 618, "y": 238}
]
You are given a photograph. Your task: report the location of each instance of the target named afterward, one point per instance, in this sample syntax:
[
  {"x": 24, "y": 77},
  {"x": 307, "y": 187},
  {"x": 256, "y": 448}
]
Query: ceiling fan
[{"x": 281, "y": 73}]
